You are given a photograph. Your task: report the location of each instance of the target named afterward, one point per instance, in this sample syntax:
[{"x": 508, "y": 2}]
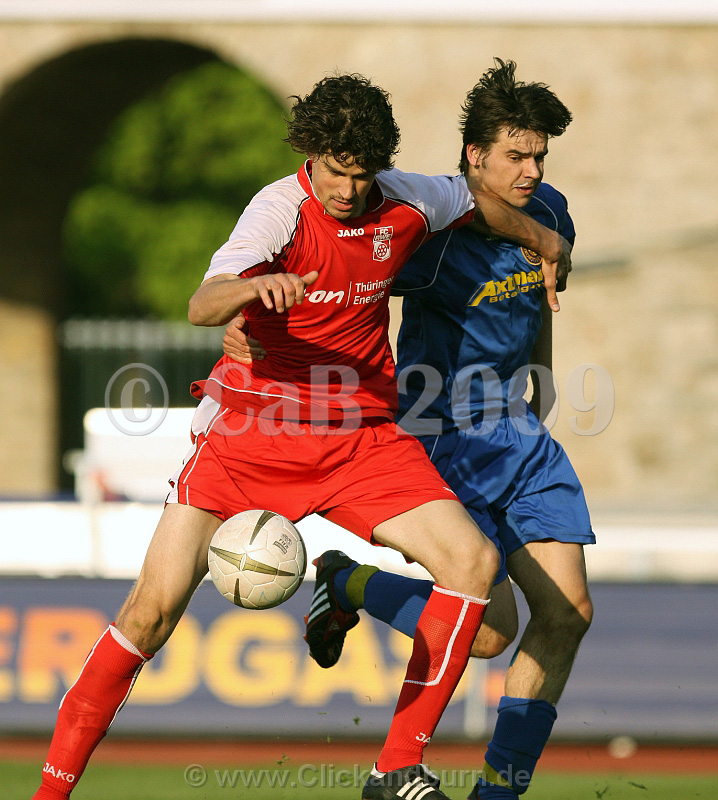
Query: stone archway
[{"x": 51, "y": 122}]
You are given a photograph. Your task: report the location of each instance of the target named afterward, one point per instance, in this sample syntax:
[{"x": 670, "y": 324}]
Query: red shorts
[{"x": 356, "y": 479}]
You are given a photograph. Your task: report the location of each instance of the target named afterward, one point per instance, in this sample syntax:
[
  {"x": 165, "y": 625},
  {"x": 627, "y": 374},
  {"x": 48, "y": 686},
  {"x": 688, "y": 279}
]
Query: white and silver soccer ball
[{"x": 257, "y": 559}]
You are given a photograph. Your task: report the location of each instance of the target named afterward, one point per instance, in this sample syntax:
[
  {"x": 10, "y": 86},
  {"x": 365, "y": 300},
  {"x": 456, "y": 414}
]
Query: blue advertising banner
[{"x": 647, "y": 668}]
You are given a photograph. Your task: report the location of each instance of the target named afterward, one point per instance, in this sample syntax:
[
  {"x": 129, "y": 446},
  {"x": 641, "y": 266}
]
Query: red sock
[
  {"x": 87, "y": 711},
  {"x": 442, "y": 645}
]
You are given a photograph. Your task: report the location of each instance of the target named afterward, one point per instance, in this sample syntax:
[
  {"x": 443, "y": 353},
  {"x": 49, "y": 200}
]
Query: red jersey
[{"x": 328, "y": 358}]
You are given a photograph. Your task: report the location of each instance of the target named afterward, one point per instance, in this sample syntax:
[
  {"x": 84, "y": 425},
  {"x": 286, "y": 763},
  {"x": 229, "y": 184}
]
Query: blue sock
[
  {"x": 394, "y": 599},
  {"x": 397, "y": 600},
  {"x": 522, "y": 730}
]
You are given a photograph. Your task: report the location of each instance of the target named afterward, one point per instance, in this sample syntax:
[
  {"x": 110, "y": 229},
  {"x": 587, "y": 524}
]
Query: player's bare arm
[
  {"x": 496, "y": 217},
  {"x": 222, "y": 297},
  {"x": 543, "y": 394}
]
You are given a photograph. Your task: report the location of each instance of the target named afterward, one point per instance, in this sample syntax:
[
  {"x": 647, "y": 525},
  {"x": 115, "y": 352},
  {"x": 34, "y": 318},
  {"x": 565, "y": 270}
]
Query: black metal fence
[{"x": 127, "y": 362}]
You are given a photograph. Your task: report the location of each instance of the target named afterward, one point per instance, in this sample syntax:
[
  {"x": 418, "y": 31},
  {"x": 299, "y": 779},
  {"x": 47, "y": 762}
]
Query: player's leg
[
  {"x": 399, "y": 600},
  {"x": 552, "y": 576},
  {"x": 387, "y": 491},
  {"x": 443, "y": 538},
  {"x": 440, "y": 536},
  {"x": 175, "y": 563},
  {"x": 536, "y": 501},
  {"x": 468, "y": 464}
]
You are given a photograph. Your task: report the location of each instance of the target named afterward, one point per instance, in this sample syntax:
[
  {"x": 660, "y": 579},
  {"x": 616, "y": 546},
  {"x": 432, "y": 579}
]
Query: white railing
[{"x": 110, "y": 540}]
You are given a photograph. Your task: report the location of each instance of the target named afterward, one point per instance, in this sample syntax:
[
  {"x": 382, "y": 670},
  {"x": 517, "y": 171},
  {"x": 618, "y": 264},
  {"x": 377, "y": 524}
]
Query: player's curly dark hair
[
  {"x": 499, "y": 101},
  {"x": 345, "y": 116}
]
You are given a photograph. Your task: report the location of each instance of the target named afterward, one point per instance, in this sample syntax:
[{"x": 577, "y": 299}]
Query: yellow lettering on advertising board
[
  {"x": 250, "y": 657},
  {"x": 8, "y": 626},
  {"x": 53, "y": 648},
  {"x": 245, "y": 658}
]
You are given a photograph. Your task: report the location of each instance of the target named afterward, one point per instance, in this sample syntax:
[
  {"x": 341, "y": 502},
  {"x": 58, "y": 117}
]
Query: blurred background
[{"x": 133, "y": 133}]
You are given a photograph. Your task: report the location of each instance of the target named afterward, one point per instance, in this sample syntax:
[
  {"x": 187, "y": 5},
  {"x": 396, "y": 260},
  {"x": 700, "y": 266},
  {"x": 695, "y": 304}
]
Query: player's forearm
[
  {"x": 544, "y": 395},
  {"x": 217, "y": 301},
  {"x": 542, "y": 351},
  {"x": 495, "y": 217}
]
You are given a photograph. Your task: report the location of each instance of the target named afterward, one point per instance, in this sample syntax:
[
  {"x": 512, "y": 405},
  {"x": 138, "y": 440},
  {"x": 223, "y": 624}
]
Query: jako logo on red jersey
[{"x": 350, "y": 232}]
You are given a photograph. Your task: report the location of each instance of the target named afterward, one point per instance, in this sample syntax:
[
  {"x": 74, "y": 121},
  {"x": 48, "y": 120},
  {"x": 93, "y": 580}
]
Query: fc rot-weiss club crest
[{"x": 382, "y": 243}]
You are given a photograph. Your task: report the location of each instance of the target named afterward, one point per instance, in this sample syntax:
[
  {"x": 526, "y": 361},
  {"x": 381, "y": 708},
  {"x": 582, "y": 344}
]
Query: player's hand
[
  {"x": 556, "y": 267},
  {"x": 282, "y": 290},
  {"x": 238, "y": 346}
]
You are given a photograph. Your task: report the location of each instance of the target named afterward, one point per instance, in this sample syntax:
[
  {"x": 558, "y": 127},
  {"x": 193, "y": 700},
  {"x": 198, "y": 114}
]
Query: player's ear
[{"x": 474, "y": 154}]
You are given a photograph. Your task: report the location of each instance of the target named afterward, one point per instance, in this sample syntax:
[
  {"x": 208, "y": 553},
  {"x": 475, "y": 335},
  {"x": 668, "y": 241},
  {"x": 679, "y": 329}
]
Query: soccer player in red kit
[{"x": 310, "y": 428}]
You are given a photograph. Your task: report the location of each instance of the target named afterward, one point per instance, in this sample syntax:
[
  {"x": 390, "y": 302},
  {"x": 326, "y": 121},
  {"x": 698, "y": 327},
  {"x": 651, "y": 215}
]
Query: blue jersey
[{"x": 471, "y": 315}]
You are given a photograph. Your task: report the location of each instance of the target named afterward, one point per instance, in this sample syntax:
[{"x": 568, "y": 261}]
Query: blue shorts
[{"x": 518, "y": 488}]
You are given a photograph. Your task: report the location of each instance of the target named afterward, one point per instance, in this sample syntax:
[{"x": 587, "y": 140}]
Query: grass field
[{"x": 280, "y": 782}]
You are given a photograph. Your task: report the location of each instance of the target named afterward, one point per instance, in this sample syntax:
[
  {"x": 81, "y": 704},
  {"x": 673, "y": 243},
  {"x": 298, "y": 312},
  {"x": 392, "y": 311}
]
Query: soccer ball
[{"x": 257, "y": 559}]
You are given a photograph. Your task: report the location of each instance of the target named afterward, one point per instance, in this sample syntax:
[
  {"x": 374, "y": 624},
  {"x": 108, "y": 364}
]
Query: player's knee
[
  {"x": 487, "y": 557},
  {"x": 567, "y": 622},
  {"x": 490, "y": 643},
  {"x": 479, "y": 563},
  {"x": 500, "y": 627},
  {"x": 146, "y": 624},
  {"x": 577, "y": 617},
  {"x": 466, "y": 561},
  {"x": 492, "y": 558},
  {"x": 583, "y": 614}
]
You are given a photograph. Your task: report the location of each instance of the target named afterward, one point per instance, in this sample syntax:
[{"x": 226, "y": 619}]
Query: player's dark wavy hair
[
  {"x": 345, "y": 116},
  {"x": 499, "y": 101}
]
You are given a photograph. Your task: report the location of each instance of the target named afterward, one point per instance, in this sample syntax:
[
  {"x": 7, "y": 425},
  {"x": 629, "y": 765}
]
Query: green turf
[{"x": 102, "y": 782}]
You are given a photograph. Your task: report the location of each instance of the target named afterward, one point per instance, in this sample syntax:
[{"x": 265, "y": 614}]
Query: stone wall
[
  {"x": 28, "y": 401},
  {"x": 654, "y": 327}
]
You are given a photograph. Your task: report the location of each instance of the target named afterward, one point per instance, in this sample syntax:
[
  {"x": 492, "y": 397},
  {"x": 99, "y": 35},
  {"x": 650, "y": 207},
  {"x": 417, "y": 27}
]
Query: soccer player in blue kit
[{"x": 474, "y": 316}]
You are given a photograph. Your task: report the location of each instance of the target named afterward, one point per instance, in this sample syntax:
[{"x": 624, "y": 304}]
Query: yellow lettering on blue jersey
[
  {"x": 496, "y": 291},
  {"x": 485, "y": 290}
]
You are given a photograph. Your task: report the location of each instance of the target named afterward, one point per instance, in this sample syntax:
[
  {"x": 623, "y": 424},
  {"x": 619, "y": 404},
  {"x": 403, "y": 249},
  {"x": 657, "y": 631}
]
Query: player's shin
[
  {"x": 442, "y": 645},
  {"x": 522, "y": 730},
  {"x": 87, "y": 711}
]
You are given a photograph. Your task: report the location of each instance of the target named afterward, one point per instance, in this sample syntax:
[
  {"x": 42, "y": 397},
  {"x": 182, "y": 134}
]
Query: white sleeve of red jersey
[
  {"x": 265, "y": 228},
  {"x": 443, "y": 199}
]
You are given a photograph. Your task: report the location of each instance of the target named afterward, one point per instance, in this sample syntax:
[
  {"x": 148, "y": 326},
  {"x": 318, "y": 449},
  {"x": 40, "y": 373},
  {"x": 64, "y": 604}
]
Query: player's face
[
  {"x": 512, "y": 168},
  {"x": 341, "y": 186}
]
